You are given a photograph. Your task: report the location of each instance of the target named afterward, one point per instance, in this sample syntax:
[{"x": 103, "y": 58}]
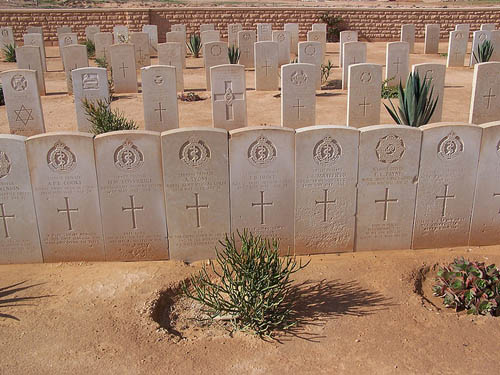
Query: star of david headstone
[{"x": 24, "y": 115}]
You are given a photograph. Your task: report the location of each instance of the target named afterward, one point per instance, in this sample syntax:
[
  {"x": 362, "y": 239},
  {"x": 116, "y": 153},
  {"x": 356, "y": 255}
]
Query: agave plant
[
  {"x": 90, "y": 47},
  {"x": 416, "y": 102},
  {"x": 9, "y": 53},
  {"x": 483, "y": 51},
  {"x": 234, "y": 54},
  {"x": 194, "y": 44}
]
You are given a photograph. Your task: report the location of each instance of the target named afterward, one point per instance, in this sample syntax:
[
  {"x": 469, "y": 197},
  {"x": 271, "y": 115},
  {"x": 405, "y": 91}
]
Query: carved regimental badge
[
  {"x": 298, "y": 78},
  {"x": 4, "y": 164},
  {"x": 262, "y": 152},
  {"x": 327, "y": 151},
  {"x": 450, "y": 147},
  {"x": 60, "y": 158},
  {"x": 90, "y": 81},
  {"x": 194, "y": 152},
  {"x": 128, "y": 157},
  {"x": 18, "y": 82},
  {"x": 390, "y": 149}
]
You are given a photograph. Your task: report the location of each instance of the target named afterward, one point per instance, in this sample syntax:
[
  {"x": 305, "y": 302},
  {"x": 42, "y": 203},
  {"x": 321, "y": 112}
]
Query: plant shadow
[{"x": 12, "y": 301}]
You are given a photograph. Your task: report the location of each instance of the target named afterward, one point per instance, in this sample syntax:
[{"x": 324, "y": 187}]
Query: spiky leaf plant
[
  {"x": 9, "y": 53},
  {"x": 416, "y": 102},
  {"x": 90, "y": 47},
  {"x": 194, "y": 45},
  {"x": 2, "y": 99},
  {"x": 326, "y": 70},
  {"x": 104, "y": 119},
  {"x": 471, "y": 286},
  {"x": 251, "y": 285},
  {"x": 234, "y": 54},
  {"x": 388, "y": 92},
  {"x": 483, "y": 51}
]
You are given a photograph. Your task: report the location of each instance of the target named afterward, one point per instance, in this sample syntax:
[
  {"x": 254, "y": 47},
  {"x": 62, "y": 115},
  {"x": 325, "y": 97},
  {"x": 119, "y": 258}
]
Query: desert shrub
[
  {"x": 294, "y": 61},
  {"x": 326, "y": 69},
  {"x": 252, "y": 286},
  {"x": 194, "y": 44},
  {"x": 483, "y": 51},
  {"x": 189, "y": 97},
  {"x": 471, "y": 286},
  {"x": 388, "y": 92},
  {"x": 104, "y": 119},
  {"x": 2, "y": 99},
  {"x": 9, "y": 53},
  {"x": 90, "y": 47},
  {"x": 334, "y": 25},
  {"x": 122, "y": 38},
  {"x": 101, "y": 62},
  {"x": 234, "y": 54}
]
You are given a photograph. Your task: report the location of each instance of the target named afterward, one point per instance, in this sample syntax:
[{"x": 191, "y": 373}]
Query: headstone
[
  {"x": 397, "y": 62},
  {"x": 319, "y": 27},
  {"x": 446, "y": 185},
  {"x": 90, "y": 32},
  {"x": 90, "y": 84},
  {"x": 232, "y": 33},
  {"x": 283, "y": 40},
  {"x": 229, "y": 101},
  {"x": 66, "y": 39},
  {"x": 6, "y": 37},
  {"x": 141, "y": 48},
  {"x": 363, "y": 94},
  {"x": 325, "y": 192},
  {"x": 74, "y": 56},
  {"x": 354, "y": 53},
  {"x": 178, "y": 27},
  {"x": 29, "y": 57},
  {"x": 485, "y": 98},
  {"x": 311, "y": 53},
  {"x": 318, "y": 36},
  {"x": 123, "y": 68},
  {"x": 206, "y": 27},
  {"x": 495, "y": 41},
  {"x": 22, "y": 102},
  {"x": 266, "y": 66},
  {"x": 264, "y": 32},
  {"x": 479, "y": 37},
  {"x": 293, "y": 29},
  {"x": 63, "y": 30},
  {"x": 63, "y": 177},
  {"x": 488, "y": 26},
  {"x": 34, "y": 30},
  {"x": 463, "y": 27},
  {"x": 432, "y": 33},
  {"x": 346, "y": 36},
  {"x": 298, "y": 95},
  {"x": 37, "y": 41},
  {"x": 246, "y": 41},
  {"x": 129, "y": 171},
  {"x": 262, "y": 173},
  {"x": 170, "y": 54},
  {"x": 159, "y": 98},
  {"x": 152, "y": 31},
  {"x": 196, "y": 175},
  {"x": 179, "y": 37},
  {"x": 214, "y": 53},
  {"x": 209, "y": 36},
  {"x": 388, "y": 168},
  {"x": 435, "y": 73},
  {"x": 457, "y": 48},
  {"x": 120, "y": 34},
  {"x": 102, "y": 43},
  {"x": 408, "y": 36},
  {"x": 19, "y": 241}
]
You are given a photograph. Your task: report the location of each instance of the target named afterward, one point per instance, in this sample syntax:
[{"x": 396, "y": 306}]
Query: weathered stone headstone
[
  {"x": 446, "y": 184},
  {"x": 293, "y": 29},
  {"x": 312, "y": 53},
  {"x": 485, "y": 98},
  {"x": 463, "y": 27},
  {"x": 495, "y": 41},
  {"x": 123, "y": 67},
  {"x": 457, "y": 48},
  {"x": 170, "y": 54},
  {"x": 262, "y": 172},
  {"x": 120, "y": 34},
  {"x": 152, "y": 31},
  {"x": 66, "y": 39},
  {"x": 63, "y": 30},
  {"x": 353, "y": 53},
  {"x": 246, "y": 41},
  {"x": 264, "y": 32},
  {"x": 319, "y": 27},
  {"x": 488, "y": 26},
  {"x": 478, "y": 38},
  {"x": 298, "y": 95},
  {"x": 6, "y": 37},
  {"x": 388, "y": 168},
  {"x": 29, "y": 57},
  {"x": 37, "y": 41},
  {"x": 102, "y": 43},
  {"x": 232, "y": 33},
  {"x": 90, "y": 84},
  {"x": 90, "y": 32},
  {"x": 318, "y": 36},
  {"x": 74, "y": 56},
  {"x": 214, "y": 53},
  {"x": 408, "y": 36},
  {"x": 179, "y": 37},
  {"x": 283, "y": 40},
  {"x": 19, "y": 241},
  {"x": 141, "y": 48},
  {"x": 346, "y": 36},
  {"x": 266, "y": 66},
  {"x": 178, "y": 27},
  {"x": 363, "y": 94},
  {"x": 397, "y": 62},
  {"x": 34, "y": 30},
  {"x": 435, "y": 73},
  {"x": 22, "y": 102},
  {"x": 159, "y": 98},
  {"x": 431, "y": 44},
  {"x": 325, "y": 192},
  {"x": 196, "y": 175},
  {"x": 209, "y": 36},
  {"x": 63, "y": 177},
  {"x": 229, "y": 100},
  {"x": 129, "y": 171},
  {"x": 206, "y": 27}
]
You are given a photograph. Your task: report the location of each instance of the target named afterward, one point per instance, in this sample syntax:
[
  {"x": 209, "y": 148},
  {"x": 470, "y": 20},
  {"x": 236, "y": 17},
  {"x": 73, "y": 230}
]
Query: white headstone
[
  {"x": 123, "y": 67},
  {"x": 293, "y": 29},
  {"x": 397, "y": 62},
  {"x": 74, "y": 56},
  {"x": 353, "y": 53},
  {"x": 264, "y": 32},
  {"x": 457, "y": 48},
  {"x": 178, "y": 27},
  {"x": 312, "y": 53},
  {"x": 6, "y": 37},
  {"x": 485, "y": 98},
  {"x": 408, "y": 36},
  {"x": 102, "y": 43},
  {"x": 141, "y": 48},
  {"x": 435, "y": 73},
  {"x": 90, "y": 32},
  {"x": 170, "y": 54},
  {"x": 318, "y": 36},
  {"x": 152, "y": 31},
  {"x": 120, "y": 34},
  {"x": 29, "y": 57},
  {"x": 66, "y": 39},
  {"x": 246, "y": 41},
  {"x": 298, "y": 95},
  {"x": 363, "y": 94},
  {"x": 479, "y": 37},
  {"x": 179, "y": 37},
  {"x": 319, "y": 27},
  {"x": 37, "y": 40},
  {"x": 283, "y": 40},
  {"x": 63, "y": 30},
  {"x": 206, "y": 27},
  {"x": 488, "y": 26},
  {"x": 232, "y": 33},
  {"x": 214, "y": 53},
  {"x": 346, "y": 36},
  {"x": 432, "y": 34},
  {"x": 266, "y": 66},
  {"x": 209, "y": 36}
]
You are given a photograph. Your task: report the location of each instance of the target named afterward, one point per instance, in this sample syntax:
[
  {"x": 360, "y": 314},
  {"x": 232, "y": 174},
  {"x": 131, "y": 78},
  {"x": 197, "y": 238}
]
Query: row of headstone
[{"x": 68, "y": 196}]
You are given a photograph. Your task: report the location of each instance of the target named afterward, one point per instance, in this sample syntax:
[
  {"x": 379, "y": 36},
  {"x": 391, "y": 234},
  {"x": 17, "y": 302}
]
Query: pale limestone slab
[
  {"x": 312, "y": 53},
  {"x": 178, "y": 27},
  {"x": 75, "y": 57},
  {"x": 457, "y": 48},
  {"x": 478, "y": 37},
  {"x": 264, "y": 32},
  {"x": 283, "y": 40},
  {"x": 129, "y": 171},
  {"x": 326, "y": 171},
  {"x": 29, "y": 57},
  {"x": 298, "y": 95},
  {"x": 353, "y": 53},
  {"x": 319, "y": 27},
  {"x": 120, "y": 34},
  {"x": 66, "y": 39},
  {"x": 262, "y": 173},
  {"x": 397, "y": 63},
  {"x": 90, "y": 84},
  {"x": 463, "y": 27},
  {"x": 102, "y": 43},
  {"x": 209, "y": 36},
  {"x": 90, "y": 32},
  {"x": 19, "y": 240},
  {"x": 485, "y": 98},
  {"x": 152, "y": 31},
  {"x": 388, "y": 171},
  {"x": 229, "y": 100},
  {"x": 293, "y": 29},
  {"x": 141, "y": 48},
  {"x": 246, "y": 42},
  {"x": 196, "y": 179},
  {"x": 363, "y": 94},
  {"x": 170, "y": 54},
  {"x": 214, "y": 53},
  {"x": 346, "y": 36},
  {"x": 206, "y": 27},
  {"x": 266, "y": 66},
  {"x": 159, "y": 98},
  {"x": 232, "y": 33},
  {"x": 431, "y": 43},
  {"x": 408, "y": 36},
  {"x": 63, "y": 30},
  {"x": 123, "y": 67},
  {"x": 488, "y": 26},
  {"x": 179, "y": 37},
  {"x": 34, "y": 30},
  {"x": 64, "y": 182},
  {"x": 6, "y": 37},
  {"x": 22, "y": 102},
  {"x": 436, "y": 74},
  {"x": 318, "y": 36},
  {"x": 445, "y": 193},
  {"x": 37, "y": 40},
  {"x": 495, "y": 41}
]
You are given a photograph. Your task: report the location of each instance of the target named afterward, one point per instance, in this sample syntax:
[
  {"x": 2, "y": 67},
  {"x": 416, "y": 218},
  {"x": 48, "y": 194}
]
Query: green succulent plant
[
  {"x": 234, "y": 54},
  {"x": 9, "y": 53},
  {"x": 483, "y": 51},
  {"x": 104, "y": 120},
  {"x": 388, "y": 92},
  {"x": 326, "y": 70},
  {"x": 90, "y": 47},
  {"x": 194, "y": 45}
]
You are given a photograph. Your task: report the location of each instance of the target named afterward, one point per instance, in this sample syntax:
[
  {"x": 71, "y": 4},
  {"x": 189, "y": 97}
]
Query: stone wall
[{"x": 372, "y": 24}]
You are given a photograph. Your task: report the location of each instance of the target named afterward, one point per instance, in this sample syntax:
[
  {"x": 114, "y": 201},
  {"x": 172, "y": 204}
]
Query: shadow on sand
[{"x": 12, "y": 301}]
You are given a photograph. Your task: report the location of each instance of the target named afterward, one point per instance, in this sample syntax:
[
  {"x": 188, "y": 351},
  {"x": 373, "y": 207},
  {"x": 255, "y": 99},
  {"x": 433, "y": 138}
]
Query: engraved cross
[
  {"x": 123, "y": 67},
  {"x": 397, "y": 63},
  {"x": 298, "y": 106},
  {"x": 68, "y": 212},
  {"x": 197, "y": 207},
  {"x": 489, "y": 96},
  {"x": 325, "y": 203},
  {"x": 262, "y": 204},
  {"x": 160, "y": 109},
  {"x": 4, "y": 217},
  {"x": 267, "y": 66},
  {"x": 132, "y": 210},
  {"x": 229, "y": 97},
  {"x": 444, "y": 198},
  {"x": 386, "y": 202},
  {"x": 364, "y": 105}
]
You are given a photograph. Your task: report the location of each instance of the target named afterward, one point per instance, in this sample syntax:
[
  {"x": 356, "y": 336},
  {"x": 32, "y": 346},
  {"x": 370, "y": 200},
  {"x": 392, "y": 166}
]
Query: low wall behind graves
[{"x": 372, "y": 24}]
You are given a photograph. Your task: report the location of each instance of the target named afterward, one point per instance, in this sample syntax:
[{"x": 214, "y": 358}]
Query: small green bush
[
  {"x": 334, "y": 25},
  {"x": 234, "y": 54},
  {"x": 483, "y": 51},
  {"x": 9, "y": 53},
  {"x": 105, "y": 120},
  {"x": 101, "y": 62},
  {"x": 90, "y": 47},
  {"x": 194, "y": 45},
  {"x": 388, "y": 92},
  {"x": 326, "y": 70}
]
